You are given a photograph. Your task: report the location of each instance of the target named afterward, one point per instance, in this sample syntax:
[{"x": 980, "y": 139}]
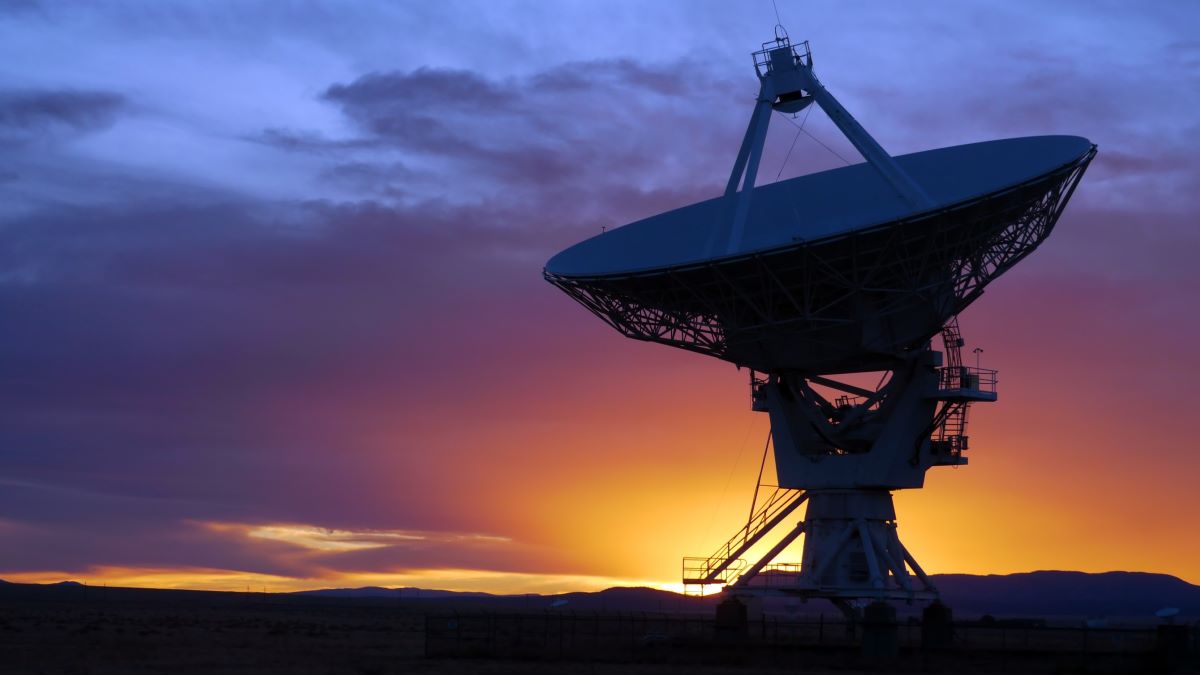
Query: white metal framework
[{"x": 842, "y": 455}]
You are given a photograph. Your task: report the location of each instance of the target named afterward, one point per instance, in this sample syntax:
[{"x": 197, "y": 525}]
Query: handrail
[
  {"x": 762, "y": 58},
  {"x": 778, "y": 506},
  {"x": 967, "y": 377}
]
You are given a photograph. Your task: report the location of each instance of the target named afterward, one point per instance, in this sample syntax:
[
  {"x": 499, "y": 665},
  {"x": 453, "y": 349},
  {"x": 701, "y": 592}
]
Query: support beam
[
  {"x": 894, "y": 564},
  {"x": 880, "y": 160},
  {"x": 739, "y": 166},
  {"x": 762, "y": 119},
  {"x": 912, "y": 562},
  {"x": 842, "y": 386},
  {"x": 869, "y": 551}
]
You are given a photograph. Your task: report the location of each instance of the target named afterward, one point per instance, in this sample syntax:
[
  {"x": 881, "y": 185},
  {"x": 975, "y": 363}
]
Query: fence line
[{"x": 606, "y": 636}]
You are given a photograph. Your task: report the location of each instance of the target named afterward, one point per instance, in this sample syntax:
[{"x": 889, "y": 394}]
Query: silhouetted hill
[
  {"x": 1116, "y": 595},
  {"x": 612, "y": 599},
  {"x": 406, "y": 593},
  {"x": 1125, "y": 594},
  {"x": 1043, "y": 594},
  {"x": 637, "y": 599}
]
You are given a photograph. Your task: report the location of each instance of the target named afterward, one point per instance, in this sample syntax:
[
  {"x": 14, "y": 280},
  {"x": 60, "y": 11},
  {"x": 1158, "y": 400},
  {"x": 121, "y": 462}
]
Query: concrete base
[
  {"x": 732, "y": 620},
  {"x": 880, "y": 632},
  {"x": 937, "y": 627}
]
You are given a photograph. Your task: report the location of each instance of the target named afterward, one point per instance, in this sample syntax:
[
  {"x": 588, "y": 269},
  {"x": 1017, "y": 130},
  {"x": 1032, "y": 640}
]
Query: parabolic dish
[
  {"x": 835, "y": 271},
  {"x": 817, "y": 206}
]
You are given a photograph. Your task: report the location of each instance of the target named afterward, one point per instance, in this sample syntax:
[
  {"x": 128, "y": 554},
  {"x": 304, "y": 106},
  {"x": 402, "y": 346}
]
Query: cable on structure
[{"x": 793, "y": 145}]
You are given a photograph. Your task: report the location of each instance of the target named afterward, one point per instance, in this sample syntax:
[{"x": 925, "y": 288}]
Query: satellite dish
[
  {"x": 806, "y": 280},
  {"x": 834, "y": 271}
]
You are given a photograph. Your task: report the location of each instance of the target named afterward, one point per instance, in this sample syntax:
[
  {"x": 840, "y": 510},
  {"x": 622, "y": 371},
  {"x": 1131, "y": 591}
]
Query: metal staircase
[
  {"x": 952, "y": 341},
  {"x": 950, "y": 436},
  {"x": 958, "y": 387},
  {"x": 726, "y": 564}
]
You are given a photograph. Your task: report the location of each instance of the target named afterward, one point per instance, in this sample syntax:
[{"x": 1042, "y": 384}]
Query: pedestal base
[{"x": 851, "y": 551}]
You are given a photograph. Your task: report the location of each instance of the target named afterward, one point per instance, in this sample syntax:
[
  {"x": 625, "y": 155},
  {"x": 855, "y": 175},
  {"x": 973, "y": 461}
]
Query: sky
[{"x": 273, "y": 313}]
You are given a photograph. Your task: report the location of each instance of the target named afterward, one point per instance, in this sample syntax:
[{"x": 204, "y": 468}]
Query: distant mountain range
[
  {"x": 1036, "y": 594},
  {"x": 1114, "y": 595},
  {"x": 1123, "y": 594},
  {"x": 407, "y": 593}
]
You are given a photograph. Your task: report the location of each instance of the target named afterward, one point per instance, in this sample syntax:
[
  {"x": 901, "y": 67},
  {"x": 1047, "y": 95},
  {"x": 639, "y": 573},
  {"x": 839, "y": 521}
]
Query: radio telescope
[{"x": 808, "y": 281}]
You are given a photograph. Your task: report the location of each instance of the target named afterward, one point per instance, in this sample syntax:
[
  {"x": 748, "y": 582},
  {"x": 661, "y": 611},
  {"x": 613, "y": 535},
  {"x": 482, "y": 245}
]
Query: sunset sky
[{"x": 273, "y": 313}]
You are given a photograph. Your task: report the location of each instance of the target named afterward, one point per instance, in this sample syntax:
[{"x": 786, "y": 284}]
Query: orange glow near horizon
[{"x": 482, "y": 581}]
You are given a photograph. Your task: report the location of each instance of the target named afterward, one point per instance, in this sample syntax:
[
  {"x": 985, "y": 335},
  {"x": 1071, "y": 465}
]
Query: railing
[
  {"x": 701, "y": 570},
  {"x": 762, "y": 58},
  {"x": 778, "y": 575},
  {"x": 967, "y": 377}
]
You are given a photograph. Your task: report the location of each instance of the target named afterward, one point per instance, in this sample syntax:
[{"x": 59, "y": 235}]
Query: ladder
[{"x": 950, "y": 436}]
